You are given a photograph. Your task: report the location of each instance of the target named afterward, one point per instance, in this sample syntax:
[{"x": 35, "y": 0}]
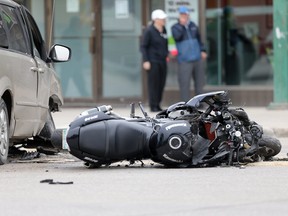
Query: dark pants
[
  {"x": 187, "y": 70},
  {"x": 156, "y": 83}
]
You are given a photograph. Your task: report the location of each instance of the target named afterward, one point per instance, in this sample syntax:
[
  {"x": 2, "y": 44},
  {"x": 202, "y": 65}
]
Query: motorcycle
[{"x": 205, "y": 131}]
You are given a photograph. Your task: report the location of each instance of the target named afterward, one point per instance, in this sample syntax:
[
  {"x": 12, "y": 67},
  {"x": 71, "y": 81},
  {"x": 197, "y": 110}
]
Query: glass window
[
  {"x": 239, "y": 35},
  {"x": 3, "y": 35},
  {"x": 16, "y": 35},
  {"x": 156, "y": 4},
  {"x": 37, "y": 41},
  {"x": 37, "y": 10},
  {"x": 72, "y": 27},
  {"x": 121, "y": 30}
]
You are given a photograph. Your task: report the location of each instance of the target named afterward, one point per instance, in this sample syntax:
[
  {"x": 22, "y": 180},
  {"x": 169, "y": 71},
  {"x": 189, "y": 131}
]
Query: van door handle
[
  {"x": 34, "y": 69},
  {"x": 41, "y": 70}
]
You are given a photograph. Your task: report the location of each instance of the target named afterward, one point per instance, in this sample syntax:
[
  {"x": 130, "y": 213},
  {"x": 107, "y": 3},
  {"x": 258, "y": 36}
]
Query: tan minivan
[{"x": 29, "y": 87}]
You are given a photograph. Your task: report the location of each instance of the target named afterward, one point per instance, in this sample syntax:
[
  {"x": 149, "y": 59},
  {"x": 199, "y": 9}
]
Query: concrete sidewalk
[{"x": 273, "y": 121}]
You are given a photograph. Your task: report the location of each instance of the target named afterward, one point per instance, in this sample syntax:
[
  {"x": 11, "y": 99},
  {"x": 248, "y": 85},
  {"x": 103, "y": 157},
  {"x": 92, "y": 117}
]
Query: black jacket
[{"x": 154, "y": 46}]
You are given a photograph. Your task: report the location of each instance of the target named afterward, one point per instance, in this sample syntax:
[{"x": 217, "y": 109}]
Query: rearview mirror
[{"x": 59, "y": 53}]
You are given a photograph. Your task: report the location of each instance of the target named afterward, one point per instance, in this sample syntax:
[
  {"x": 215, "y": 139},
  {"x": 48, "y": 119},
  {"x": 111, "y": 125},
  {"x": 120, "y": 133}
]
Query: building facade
[{"x": 105, "y": 38}]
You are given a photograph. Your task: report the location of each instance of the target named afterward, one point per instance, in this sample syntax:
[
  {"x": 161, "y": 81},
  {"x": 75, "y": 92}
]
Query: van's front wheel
[{"x": 4, "y": 132}]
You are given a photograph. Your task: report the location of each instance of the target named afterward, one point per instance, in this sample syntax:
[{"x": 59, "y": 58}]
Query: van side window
[
  {"x": 3, "y": 34},
  {"x": 16, "y": 36},
  {"x": 37, "y": 41}
]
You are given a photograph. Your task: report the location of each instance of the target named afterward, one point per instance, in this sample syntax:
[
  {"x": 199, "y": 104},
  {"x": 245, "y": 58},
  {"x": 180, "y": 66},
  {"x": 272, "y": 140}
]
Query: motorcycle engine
[{"x": 173, "y": 145}]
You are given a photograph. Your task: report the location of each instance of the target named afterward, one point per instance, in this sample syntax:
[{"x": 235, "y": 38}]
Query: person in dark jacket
[
  {"x": 190, "y": 54},
  {"x": 154, "y": 48}
]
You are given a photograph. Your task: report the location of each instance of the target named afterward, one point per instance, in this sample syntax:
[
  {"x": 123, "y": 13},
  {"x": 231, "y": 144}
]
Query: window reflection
[{"x": 239, "y": 37}]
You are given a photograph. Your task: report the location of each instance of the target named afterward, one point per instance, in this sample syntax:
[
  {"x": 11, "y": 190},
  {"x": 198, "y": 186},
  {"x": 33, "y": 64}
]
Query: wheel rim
[{"x": 3, "y": 133}]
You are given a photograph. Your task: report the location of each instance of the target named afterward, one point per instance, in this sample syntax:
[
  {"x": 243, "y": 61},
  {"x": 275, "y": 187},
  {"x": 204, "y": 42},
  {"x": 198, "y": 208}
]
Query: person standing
[
  {"x": 190, "y": 54},
  {"x": 154, "y": 48}
]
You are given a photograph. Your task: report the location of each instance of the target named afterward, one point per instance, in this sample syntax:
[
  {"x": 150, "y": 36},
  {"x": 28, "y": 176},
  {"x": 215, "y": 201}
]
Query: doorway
[
  {"x": 73, "y": 24},
  {"x": 121, "y": 57},
  {"x": 105, "y": 39}
]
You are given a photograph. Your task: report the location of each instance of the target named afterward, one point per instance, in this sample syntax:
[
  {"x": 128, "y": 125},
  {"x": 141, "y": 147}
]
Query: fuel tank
[{"x": 101, "y": 138}]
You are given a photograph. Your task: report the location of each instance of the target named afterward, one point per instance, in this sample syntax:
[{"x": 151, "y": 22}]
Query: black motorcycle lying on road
[{"x": 205, "y": 131}]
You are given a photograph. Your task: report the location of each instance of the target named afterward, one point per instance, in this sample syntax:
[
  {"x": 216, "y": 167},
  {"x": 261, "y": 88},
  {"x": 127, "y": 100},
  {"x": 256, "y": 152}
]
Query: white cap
[{"x": 158, "y": 14}]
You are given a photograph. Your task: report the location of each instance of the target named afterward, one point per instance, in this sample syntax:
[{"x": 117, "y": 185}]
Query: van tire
[{"x": 4, "y": 132}]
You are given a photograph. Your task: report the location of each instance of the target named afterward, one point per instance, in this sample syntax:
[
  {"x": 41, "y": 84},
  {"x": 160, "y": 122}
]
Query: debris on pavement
[
  {"x": 30, "y": 155},
  {"x": 39, "y": 155},
  {"x": 51, "y": 181}
]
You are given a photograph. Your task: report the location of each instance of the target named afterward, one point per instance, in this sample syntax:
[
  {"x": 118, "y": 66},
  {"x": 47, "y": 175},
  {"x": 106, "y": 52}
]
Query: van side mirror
[{"x": 59, "y": 53}]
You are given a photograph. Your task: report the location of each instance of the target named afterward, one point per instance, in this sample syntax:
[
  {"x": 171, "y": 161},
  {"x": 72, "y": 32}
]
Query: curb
[{"x": 276, "y": 132}]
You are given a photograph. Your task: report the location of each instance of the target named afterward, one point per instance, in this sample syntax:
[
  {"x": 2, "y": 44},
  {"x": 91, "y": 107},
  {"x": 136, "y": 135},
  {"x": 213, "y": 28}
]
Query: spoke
[
  {"x": 3, "y": 133},
  {"x": 2, "y": 116}
]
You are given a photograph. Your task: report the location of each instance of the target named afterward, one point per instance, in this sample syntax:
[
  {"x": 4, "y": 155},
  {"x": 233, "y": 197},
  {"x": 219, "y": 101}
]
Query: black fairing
[
  {"x": 173, "y": 145},
  {"x": 106, "y": 139},
  {"x": 218, "y": 97}
]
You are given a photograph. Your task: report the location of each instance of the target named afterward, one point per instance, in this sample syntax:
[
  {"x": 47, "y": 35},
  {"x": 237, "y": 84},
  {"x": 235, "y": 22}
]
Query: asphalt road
[{"x": 257, "y": 189}]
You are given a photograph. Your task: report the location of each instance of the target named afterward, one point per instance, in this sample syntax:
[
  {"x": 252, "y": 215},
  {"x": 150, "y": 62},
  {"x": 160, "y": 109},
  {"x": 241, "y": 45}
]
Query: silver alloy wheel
[{"x": 4, "y": 145}]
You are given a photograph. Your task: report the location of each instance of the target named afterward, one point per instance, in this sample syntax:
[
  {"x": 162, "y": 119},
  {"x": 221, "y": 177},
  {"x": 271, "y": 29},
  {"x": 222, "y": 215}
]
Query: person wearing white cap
[
  {"x": 154, "y": 48},
  {"x": 191, "y": 51}
]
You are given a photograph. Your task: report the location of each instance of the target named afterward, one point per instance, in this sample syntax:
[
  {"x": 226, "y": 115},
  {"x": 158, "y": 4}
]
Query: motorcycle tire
[
  {"x": 271, "y": 145},
  {"x": 57, "y": 138}
]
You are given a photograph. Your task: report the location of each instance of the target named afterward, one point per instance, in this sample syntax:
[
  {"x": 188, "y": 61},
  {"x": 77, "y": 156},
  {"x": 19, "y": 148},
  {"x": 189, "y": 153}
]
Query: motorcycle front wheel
[{"x": 270, "y": 146}]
